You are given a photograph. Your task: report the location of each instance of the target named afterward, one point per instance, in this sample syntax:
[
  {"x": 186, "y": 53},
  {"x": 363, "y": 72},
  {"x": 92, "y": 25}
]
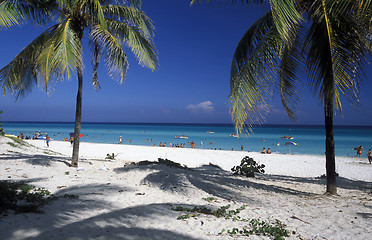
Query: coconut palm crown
[
  {"x": 53, "y": 55},
  {"x": 327, "y": 40}
]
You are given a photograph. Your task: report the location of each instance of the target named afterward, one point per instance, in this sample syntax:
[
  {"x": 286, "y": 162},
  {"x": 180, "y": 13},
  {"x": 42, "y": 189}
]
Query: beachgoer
[
  {"x": 268, "y": 151},
  {"x": 72, "y": 140},
  {"x": 369, "y": 155},
  {"x": 47, "y": 140},
  {"x": 263, "y": 150},
  {"x": 242, "y": 147},
  {"x": 359, "y": 150},
  {"x": 121, "y": 139}
]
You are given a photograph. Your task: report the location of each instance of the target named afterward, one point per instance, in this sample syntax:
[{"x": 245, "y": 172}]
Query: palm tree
[
  {"x": 56, "y": 52},
  {"x": 331, "y": 45}
]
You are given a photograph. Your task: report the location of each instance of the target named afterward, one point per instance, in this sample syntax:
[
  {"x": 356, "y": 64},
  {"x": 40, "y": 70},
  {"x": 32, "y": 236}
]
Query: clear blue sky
[{"x": 191, "y": 85}]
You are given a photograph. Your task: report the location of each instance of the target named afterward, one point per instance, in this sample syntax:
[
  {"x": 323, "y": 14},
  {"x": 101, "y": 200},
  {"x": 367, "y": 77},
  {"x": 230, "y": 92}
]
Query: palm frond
[
  {"x": 39, "y": 12},
  {"x": 254, "y": 65},
  {"x": 116, "y": 59},
  {"x": 93, "y": 9},
  {"x": 285, "y": 15},
  {"x": 341, "y": 7},
  {"x": 61, "y": 54},
  {"x": 131, "y": 16},
  {"x": 248, "y": 42},
  {"x": 20, "y": 75},
  {"x": 336, "y": 53},
  {"x": 96, "y": 54},
  {"x": 140, "y": 45},
  {"x": 289, "y": 81},
  {"x": 8, "y": 15}
]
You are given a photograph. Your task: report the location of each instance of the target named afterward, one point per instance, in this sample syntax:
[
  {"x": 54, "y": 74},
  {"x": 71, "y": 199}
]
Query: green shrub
[
  {"x": 257, "y": 227},
  {"x": 21, "y": 197},
  {"x": 248, "y": 167},
  {"x": 110, "y": 156}
]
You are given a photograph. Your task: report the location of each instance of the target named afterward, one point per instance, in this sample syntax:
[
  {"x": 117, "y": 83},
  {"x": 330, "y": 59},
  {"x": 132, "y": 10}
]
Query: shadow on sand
[
  {"x": 38, "y": 159},
  {"x": 62, "y": 221},
  {"x": 223, "y": 184},
  {"x": 62, "y": 216}
]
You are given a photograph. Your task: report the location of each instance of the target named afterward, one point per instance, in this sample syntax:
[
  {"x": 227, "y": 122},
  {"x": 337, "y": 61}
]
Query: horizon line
[{"x": 180, "y": 123}]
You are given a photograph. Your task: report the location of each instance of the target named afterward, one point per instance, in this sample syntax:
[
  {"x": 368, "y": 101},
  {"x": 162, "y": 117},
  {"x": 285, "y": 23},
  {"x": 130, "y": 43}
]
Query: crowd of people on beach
[
  {"x": 178, "y": 145},
  {"x": 39, "y": 136}
]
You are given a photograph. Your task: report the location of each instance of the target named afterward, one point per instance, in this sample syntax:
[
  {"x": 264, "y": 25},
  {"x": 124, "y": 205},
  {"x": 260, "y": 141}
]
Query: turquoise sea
[{"x": 310, "y": 139}]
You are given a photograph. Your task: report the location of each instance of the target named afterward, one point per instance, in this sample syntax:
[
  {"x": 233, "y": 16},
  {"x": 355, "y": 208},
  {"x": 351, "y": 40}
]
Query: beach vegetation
[
  {"x": 110, "y": 156},
  {"x": 248, "y": 167},
  {"x": 328, "y": 40},
  {"x": 276, "y": 230},
  {"x": 22, "y": 197},
  {"x": 18, "y": 143},
  {"x": 57, "y": 52},
  {"x": 210, "y": 199},
  {"x": 223, "y": 211}
]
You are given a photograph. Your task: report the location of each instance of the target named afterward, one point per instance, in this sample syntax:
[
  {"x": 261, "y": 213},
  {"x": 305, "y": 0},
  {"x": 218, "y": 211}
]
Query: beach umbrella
[
  {"x": 73, "y": 134},
  {"x": 291, "y": 143}
]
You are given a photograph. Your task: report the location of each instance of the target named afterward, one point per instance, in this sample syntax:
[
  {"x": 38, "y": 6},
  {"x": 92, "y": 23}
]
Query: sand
[{"x": 113, "y": 199}]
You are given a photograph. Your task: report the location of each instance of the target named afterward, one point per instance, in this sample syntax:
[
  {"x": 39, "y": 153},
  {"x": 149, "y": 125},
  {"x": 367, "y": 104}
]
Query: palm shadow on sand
[
  {"x": 220, "y": 183},
  {"x": 208, "y": 178},
  {"x": 62, "y": 220},
  {"x": 36, "y": 159},
  {"x": 62, "y": 215}
]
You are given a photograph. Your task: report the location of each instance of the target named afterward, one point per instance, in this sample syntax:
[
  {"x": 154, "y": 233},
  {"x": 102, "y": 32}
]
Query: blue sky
[{"x": 191, "y": 85}]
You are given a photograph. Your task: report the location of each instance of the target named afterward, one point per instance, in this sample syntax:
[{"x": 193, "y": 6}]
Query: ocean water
[{"x": 309, "y": 139}]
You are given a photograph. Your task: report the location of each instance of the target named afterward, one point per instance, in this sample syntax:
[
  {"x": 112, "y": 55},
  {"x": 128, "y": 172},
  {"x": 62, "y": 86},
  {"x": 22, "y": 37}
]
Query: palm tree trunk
[
  {"x": 330, "y": 147},
  {"x": 79, "y": 103}
]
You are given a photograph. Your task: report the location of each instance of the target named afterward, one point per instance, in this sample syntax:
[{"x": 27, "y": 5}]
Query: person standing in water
[
  {"x": 369, "y": 155},
  {"x": 47, "y": 140},
  {"x": 359, "y": 151}
]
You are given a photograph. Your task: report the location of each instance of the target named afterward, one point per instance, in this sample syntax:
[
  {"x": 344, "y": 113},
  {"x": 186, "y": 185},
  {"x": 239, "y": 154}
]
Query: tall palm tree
[
  {"x": 56, "y": 52},
  {"x": 331, "y": 45}
]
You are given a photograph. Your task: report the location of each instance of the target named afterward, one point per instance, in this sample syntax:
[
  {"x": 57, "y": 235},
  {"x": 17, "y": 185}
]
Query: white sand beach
[{"x": 113, "y": 199}]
